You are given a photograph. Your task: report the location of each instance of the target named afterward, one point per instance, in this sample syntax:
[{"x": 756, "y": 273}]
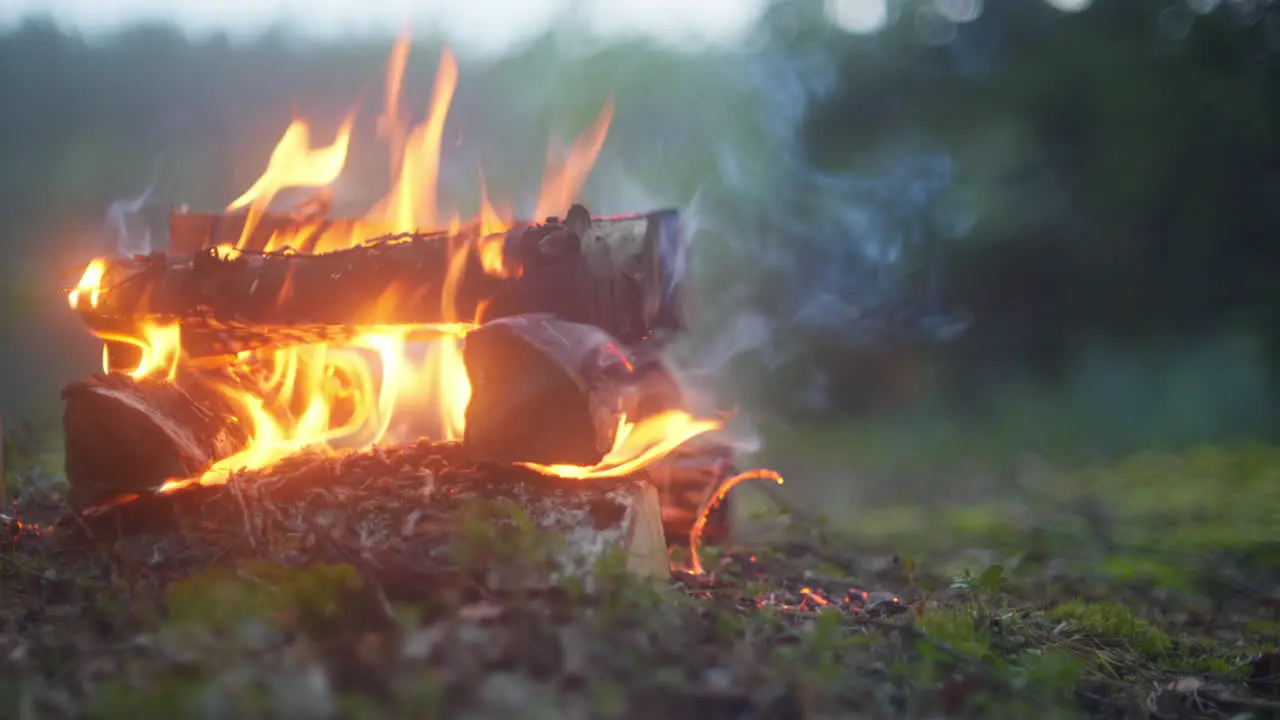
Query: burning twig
[{"x": 695, "y": 535}]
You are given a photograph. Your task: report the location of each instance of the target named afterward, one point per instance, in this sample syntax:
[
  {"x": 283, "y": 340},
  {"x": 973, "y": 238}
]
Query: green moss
[
  {"x": 1133, "y": 567},
  {"x": 1269, "y": 629},
  {"x": 161, "y": 697},
  {"x": 221, "y": 597},
  {"x": 1114, "y": 623}
]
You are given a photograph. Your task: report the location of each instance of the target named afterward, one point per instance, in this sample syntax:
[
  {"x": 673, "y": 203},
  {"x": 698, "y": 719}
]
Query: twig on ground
[{"x": 233, "y": 483}]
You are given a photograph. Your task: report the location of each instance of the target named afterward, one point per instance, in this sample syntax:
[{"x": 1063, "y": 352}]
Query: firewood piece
[
  {"x": 126, "y": 436},
  {"x": 544, "y": 390},
  {"x": 609, "y": 272},
  {"x": 414, "y": 517}
]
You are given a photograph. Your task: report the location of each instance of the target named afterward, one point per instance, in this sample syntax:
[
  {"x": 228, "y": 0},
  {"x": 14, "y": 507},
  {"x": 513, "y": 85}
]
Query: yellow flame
[
  {"x": 391, "y": 126},
  {"x": 491, "y": 244},
  {"x": 637, "y": 444},
  {"x": 412, "y": 203},
  {"x": 161, "y": 346},
  {"x": 90, "y": 282},
  {"x": 293, "y": 163}
]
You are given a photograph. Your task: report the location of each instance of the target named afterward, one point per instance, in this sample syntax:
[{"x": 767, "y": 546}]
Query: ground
[{"x": 1147, "y": 586}]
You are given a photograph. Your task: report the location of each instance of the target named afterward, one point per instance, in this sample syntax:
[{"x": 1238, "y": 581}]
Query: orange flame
[
  {"x": 90, "y": 282},
  {"x": 636, "y": 445},
  {"x": 704, "y": 513},
  {"x": 293, "y": 163},
  {"x": 350, "y": 396},
  {"x": 562, "y": 181},
  {"x": 492, "y": 242},
  {"x": 412, "y": 203},
  {"x": 161, "y": 346},
  {"x": 391, "y": 125}
]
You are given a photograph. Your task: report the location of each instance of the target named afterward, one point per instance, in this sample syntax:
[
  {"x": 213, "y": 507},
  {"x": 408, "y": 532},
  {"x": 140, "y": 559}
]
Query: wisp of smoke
[
  {"x": 780, "y": 252},
  {"x": 125, "y": 222}
]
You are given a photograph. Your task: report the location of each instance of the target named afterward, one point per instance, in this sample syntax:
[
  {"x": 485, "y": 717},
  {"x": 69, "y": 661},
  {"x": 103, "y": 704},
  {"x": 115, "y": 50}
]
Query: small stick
[{"x": 234, "y": 484}]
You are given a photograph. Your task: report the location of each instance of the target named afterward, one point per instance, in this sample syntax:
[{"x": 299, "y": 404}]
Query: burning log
[
  {"x": 125, "y": 436},
  {"x": 544, "y": 390},
  {"x": 414, "y": 516},
  {"x": 610, "y": 272}
]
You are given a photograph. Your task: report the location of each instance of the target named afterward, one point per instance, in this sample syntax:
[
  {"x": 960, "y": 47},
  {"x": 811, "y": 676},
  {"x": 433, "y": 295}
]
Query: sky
[
  {"x": 490, "y": 27},
  {"x": 480, "y": 25}
]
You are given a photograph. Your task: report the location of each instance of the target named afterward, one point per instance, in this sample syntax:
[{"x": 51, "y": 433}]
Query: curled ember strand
[{"x": 695, "y": 535}]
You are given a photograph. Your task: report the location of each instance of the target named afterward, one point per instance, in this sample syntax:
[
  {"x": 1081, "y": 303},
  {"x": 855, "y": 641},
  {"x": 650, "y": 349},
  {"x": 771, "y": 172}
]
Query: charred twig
[{"x": 233, "y": 484}]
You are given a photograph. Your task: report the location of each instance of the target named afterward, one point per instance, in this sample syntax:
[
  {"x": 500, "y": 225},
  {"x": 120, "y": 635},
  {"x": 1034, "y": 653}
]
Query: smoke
[
  {"x": 126, "y": 223},
  {"x": 781, "y": 253}
]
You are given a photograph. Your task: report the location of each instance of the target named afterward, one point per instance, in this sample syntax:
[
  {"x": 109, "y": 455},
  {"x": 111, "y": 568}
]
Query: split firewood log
[
  {"x": 125, "y": 436},
  {"x": 544, "y": 390}
]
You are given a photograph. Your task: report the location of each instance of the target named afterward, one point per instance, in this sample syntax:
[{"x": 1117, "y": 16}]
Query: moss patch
[{"x": 1112, "y": 623}]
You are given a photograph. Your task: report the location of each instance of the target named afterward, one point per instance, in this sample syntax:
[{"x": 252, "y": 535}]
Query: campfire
[{"x": 284, "y": 355}]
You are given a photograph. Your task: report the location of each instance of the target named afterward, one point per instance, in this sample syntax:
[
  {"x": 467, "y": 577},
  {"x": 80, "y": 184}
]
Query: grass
[{"x": 1073, "y": 593}]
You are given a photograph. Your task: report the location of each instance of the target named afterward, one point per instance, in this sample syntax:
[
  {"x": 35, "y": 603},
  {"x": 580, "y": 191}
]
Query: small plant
[
  {"x": 984, "y": 588},
  {"x": 958, "y": 628}
]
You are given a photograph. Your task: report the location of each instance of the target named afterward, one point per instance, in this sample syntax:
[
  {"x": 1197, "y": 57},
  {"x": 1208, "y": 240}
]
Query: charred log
[
  {"x": 544, "y": 390},
  {"x": 607, "y": 272},
  {"x": 124, "y": 436}
]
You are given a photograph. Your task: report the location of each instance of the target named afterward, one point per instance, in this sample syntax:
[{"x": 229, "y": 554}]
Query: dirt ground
[{"x": 1148, "y": 588}]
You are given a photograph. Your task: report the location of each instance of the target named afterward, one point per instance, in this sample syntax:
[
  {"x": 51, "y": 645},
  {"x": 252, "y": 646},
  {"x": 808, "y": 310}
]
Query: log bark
[
  {"x": 544, "y": 390},
  {"x": 610, "y": 272},
  {"x": 124, "y": 436}
]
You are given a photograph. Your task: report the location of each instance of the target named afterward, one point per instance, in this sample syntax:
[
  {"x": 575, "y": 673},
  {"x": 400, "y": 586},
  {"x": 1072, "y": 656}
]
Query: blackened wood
[
  {"x": 124, "y": 435},
  {"x": 544, "y": 390},
  {"x": 603, "y": 271}
]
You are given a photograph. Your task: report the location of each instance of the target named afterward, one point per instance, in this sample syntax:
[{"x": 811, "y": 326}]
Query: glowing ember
[
  {"x": 817, "y": 598},
  {"x": 351, "y": 395},
  {"x": 695, "y": 535}
]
